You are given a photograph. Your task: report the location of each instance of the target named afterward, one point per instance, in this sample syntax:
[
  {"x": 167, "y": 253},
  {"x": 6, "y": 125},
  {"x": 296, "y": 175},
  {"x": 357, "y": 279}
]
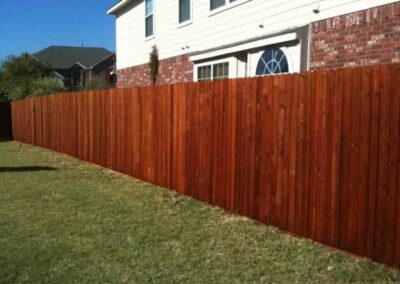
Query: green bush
[
  {"x": 18, "y": 88},
  {"x": 3, "y": 93},
  {"x": 23, "y": 76},
  {"x": 96, "y": 82},
  {"x": 46, "y": 86}
]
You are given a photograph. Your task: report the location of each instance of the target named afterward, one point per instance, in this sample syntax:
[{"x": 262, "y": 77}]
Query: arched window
[{"x": 272, "y": 61}]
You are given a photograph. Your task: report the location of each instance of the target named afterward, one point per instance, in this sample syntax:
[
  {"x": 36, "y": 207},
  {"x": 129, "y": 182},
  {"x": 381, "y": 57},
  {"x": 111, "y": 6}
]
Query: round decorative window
[{"x": 272, "y": 61}]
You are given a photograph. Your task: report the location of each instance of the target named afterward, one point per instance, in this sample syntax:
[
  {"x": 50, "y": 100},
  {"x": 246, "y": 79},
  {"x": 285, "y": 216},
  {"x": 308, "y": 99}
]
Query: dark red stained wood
[
  {"x": 344, "y": 208},
  {"x": 178, "y": 144},
  {"x": 280, "y": 184},
  {"x": 315, "y": 126},
  {"x": 293, "y": 194},
  {"x": 326, "y": 191},
  {"x": 205, "y": 136},
  {"x": 288, "y": 101},
  {"x": 164, "y": 129},
  {"x": 320, "y": 225},
  {"x": 245, "y": 157},
  {"x": 220, "y": 143},
  {"x": 374, "y": 98},
  {"x": 191, "y": 141},
  {"x": 265, "y": 164},
  {"x": 364, "y": 160},
  {"x": 135, "y": 107},
  {"x": 257, "y": 150},
  {"x": 270, "y": 142},
  {"x": 337, "y": 103},
  {"x": 121, "y": 138},
  {"x": 395, "y": 81},
  {"x": 303, "y": 153},
  {"x": 392, "y": 163},
  {"x": 382, "y": 182},
  {"x": 354, "y": 189},
  {"x": 231, "y": 146},
  {"x": 315, "y": 153}
]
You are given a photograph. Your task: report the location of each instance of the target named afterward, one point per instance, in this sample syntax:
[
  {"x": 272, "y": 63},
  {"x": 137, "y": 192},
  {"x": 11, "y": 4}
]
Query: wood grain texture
[{"x": 317, "y": 153}]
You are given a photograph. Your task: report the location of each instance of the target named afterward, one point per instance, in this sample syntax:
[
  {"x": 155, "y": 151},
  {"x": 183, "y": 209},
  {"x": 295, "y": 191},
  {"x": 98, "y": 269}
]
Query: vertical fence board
[
  {"x": 364, "y": 161},
  {"x": 392, "y": 161},
  {"x": 345, "y": 161},
  {"x": 265, "y": 150},
  {"x": 395, "y": 77},
  {"x": 374, "y": 98},
  {"x": 220, "y": 144}
]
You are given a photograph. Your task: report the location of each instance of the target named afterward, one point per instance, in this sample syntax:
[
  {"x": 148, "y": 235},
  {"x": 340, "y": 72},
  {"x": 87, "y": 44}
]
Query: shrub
[
  {"x": 23, "y": 76},
  {"x": 153, "y": 64},
  {"x": 97, "y": 82},
  {"x": 46, "y": 86}
]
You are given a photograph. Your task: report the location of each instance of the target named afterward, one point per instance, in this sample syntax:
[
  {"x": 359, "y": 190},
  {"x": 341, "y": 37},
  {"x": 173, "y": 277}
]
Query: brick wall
[
  {"x": 171, "y": 70},
  {"x": 363, "y": 38}
]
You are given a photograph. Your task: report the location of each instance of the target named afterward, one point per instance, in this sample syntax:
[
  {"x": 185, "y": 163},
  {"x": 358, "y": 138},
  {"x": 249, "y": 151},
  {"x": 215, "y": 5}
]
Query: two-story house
[{"x": 202, "y": 40}]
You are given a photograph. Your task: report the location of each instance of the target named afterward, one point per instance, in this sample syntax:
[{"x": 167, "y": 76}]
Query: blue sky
[{"x": 31, "y": 25}]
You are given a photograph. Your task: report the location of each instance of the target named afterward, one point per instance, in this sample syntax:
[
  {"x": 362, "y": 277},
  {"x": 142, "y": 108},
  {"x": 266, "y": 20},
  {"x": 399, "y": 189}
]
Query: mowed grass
[{"x": 64, "y": 221}]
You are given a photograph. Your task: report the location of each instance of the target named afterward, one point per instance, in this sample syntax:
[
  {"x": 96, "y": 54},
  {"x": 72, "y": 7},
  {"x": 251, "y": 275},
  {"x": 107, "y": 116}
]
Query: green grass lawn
[{"x": 62, "y": 220}]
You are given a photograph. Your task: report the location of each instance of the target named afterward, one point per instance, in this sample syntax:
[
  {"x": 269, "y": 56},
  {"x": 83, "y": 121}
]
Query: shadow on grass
[{"x": 26, "y": 169}]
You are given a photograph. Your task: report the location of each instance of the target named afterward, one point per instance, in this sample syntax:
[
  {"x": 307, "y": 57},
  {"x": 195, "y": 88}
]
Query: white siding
[{"x": 210, "y": 30}]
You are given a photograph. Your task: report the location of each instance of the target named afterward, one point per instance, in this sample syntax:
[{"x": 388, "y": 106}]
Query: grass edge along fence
[{"x": 316, "y": 153}]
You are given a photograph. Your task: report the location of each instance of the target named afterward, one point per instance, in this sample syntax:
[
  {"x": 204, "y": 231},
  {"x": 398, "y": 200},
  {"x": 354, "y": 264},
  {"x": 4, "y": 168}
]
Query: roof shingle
[{"x": 64, "y": 57}]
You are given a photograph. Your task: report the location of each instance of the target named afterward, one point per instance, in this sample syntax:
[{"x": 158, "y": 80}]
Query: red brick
[
  {"x": 363, "y": 38},
  {"x": 171, "y": 70}
]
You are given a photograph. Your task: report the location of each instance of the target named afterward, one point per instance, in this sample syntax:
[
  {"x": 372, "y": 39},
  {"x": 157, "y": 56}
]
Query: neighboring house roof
[{"x": 64, "y": 57}]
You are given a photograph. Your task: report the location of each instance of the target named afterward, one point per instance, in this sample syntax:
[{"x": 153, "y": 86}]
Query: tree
[
  {"x": 23, "y": 76},
  {"x": 3, "y": 95},
  {"x": 24, "y": 66},
  {"x": 153, "y": 64}
]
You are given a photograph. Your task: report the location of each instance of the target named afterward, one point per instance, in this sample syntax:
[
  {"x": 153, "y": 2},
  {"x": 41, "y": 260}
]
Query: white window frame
[
  {"x": 187, "y": 22},
  {"x": 226, "y": 6},
  {"x": 232, "y": 67},
  {"x": 145, "y": 17}
]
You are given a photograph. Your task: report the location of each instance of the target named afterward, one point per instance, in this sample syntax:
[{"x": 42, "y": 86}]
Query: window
[
  {"x": 214, "y": 4},
  {"x": 204, "y": 73},
  {"x": 184, "y": 10},
  {"x": 272, "y": 61},
  {"x": 213, "y": 72},
  {"x": 149, "y": 18},
  {"x": 221, "y": 71}
]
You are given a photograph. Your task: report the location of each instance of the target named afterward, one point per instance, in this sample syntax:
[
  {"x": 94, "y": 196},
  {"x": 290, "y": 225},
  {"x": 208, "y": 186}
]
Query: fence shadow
[
  {"x": 5, "y": 121},
  {"x": 26, "y": 169}
]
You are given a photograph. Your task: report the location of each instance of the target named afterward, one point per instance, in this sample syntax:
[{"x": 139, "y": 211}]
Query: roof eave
[
  {"x": 117, "y": 7},
  {"x": 100, "y": 61}
]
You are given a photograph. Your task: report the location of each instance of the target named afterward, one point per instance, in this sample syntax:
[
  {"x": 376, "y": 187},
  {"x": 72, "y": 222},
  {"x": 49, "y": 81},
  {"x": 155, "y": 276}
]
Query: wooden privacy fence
[
  {"x": 316, "y": 154},
  {"x": 5, "y": 120}
]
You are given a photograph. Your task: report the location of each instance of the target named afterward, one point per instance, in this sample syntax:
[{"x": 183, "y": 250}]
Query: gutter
[{"x": 117, "y": 7}]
